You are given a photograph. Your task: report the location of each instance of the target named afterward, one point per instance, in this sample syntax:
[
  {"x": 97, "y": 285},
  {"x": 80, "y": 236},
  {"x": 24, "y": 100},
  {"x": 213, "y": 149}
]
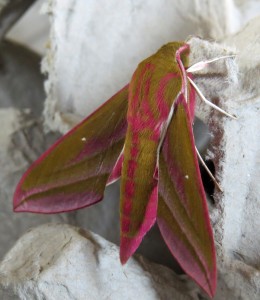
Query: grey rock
[
  {"x": 22, "y": 135},
  {"x": 21, "y": 82},
  {"x": 61, "y": 262}
]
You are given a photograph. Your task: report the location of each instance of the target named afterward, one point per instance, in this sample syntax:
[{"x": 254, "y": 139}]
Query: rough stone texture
[
  {"x": 64, "y": 262},
  {"x": 22, "y": 141},
  {"x": 241, "y": 169},
  {"x": 235, "y": 151},
  {"x": 21, "y": 135},
  {"x": 60, "y": 262}
]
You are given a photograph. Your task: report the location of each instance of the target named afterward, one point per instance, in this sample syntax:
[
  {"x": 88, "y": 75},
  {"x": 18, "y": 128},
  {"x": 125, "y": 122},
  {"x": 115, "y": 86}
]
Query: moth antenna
[
  {"x": 202, "y": 64},
  {"x": 208, "y": 102},
  {"x": 208, "y": 171}
]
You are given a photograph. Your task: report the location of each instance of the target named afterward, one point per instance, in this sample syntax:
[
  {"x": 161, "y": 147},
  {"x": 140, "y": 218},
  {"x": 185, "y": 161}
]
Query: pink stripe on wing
[{"x": 128, "y": 245}]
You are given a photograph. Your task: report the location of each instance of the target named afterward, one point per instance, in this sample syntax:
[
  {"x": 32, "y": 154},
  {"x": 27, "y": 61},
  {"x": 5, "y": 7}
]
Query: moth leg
[
  {"x": 208, "y": 170},
  {"x": 197, "y": 67},
  {"x": 201, "y": 65},
  {"x": 208, "y": 102}
]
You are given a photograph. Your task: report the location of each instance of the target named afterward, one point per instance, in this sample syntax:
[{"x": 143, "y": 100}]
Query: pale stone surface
[
  {"x": 241, "y": 148},
  {"x": 62, "y": 262},
  {"x": 241, "y": 168},
  {"x": 59, "y": 262},
  {"x": 235, "y": 150},
  {"x": 95, "y": 48}
]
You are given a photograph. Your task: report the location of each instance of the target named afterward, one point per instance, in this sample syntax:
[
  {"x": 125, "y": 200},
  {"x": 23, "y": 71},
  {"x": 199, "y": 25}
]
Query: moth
[{"x": 143, "y": 135}]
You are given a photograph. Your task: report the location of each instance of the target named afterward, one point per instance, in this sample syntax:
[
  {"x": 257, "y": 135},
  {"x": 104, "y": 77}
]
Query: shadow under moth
[{"x": 143, "y": 135}]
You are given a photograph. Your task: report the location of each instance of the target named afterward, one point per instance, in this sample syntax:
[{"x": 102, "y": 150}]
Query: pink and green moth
[{"x": 144, "y": 135}]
